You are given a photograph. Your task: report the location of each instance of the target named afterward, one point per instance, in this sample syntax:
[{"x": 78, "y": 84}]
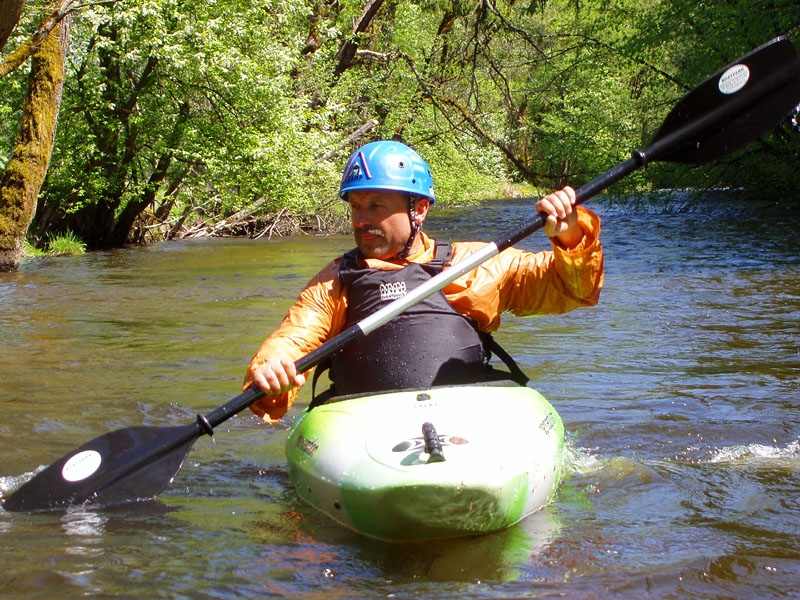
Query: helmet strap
[{"x": 412, "y": 214}]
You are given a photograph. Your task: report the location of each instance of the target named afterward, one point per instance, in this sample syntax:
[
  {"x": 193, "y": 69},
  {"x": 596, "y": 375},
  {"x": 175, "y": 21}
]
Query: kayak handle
[{"x": 433, "y": 447}]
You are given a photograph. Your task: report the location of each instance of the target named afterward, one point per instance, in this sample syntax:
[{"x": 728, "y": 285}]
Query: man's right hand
[{"x": 277, "y": 375}]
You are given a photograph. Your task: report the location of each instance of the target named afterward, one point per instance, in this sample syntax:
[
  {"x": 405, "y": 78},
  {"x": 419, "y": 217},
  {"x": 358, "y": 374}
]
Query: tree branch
[
  {"x": 347, "y": 51},
  {"x": 59, "y": 10},
  {"x": 10, "y": 13}
]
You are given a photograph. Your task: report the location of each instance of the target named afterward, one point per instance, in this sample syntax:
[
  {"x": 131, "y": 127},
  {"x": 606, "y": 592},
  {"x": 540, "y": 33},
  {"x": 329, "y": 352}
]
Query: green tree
[
  {"x": 561, "y": 90},
  {"x": 179, "y": 113},
  {"x": 26, "y": 168},
  {"x": 532, "y": 93},
  {"x": 174, "y": 107}
]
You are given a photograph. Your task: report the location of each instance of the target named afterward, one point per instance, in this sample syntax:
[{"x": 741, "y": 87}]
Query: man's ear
[{"x": 421, "y": 206}]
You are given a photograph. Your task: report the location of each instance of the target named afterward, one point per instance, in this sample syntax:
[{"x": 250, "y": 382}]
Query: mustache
[{"x": 368, "y": 231}]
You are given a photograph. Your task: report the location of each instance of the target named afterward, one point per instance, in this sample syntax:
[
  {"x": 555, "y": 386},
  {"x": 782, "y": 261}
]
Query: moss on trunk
[{"x": 25, "y": 172}]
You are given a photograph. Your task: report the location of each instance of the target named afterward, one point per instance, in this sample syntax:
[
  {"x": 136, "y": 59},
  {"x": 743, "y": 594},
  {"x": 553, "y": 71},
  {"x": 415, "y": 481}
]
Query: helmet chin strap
[{"x": 414, "y": 227}]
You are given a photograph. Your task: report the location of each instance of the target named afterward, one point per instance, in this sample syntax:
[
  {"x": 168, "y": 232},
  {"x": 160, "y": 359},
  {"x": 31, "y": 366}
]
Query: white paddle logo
[
  {"x": 734, "y": 79},
  {"x": 81, "y": 466}
]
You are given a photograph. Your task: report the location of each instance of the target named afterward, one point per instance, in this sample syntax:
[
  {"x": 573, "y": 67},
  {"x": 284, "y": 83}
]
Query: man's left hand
[{"x": 562, "y": 218}]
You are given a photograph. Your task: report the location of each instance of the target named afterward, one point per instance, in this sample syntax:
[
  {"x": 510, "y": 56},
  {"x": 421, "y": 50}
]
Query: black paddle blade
[
  {"x": 739, "y": 103},
  {"x": 122, "y": 466}
]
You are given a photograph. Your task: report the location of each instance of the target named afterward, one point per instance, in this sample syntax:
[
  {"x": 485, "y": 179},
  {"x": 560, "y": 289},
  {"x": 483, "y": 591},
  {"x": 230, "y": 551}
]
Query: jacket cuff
[{"x": 589, "y": 222}]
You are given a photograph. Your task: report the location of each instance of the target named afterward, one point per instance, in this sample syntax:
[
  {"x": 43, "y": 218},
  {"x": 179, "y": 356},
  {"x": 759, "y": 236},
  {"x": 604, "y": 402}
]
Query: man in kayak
[{"x": 443, "y": 339}]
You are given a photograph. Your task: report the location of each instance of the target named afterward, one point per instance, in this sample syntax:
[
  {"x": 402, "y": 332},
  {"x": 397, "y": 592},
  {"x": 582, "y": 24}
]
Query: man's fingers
[{"x": 278, "y": 375}]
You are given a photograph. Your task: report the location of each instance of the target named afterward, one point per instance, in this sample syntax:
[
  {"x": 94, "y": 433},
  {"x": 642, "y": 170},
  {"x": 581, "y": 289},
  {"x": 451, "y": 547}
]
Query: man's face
[{"x": 380, "y": 222}]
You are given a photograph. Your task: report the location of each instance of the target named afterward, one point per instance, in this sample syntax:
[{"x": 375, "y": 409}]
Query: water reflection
[{"x": 326, "y": 557}]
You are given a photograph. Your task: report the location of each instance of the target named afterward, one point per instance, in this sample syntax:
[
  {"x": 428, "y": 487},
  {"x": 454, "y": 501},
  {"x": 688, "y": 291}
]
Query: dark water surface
[{"x": 679, "y": 393}]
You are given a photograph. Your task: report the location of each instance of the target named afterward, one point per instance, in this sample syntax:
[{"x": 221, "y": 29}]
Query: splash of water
[{"x": 755, "y": 452}]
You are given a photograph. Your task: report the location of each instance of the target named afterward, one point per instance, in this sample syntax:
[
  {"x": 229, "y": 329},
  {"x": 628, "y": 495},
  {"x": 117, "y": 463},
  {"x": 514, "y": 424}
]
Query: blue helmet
[{"x": 387, "y": 165}]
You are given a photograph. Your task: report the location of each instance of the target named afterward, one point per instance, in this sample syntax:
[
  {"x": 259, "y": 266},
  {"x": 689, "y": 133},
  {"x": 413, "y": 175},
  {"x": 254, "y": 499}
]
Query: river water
[{"x": 679, "y": 392}]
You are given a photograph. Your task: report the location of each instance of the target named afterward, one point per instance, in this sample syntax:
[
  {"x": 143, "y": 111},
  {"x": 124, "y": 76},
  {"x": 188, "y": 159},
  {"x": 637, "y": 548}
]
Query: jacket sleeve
[
  {"x": 572, "y": 278},
  {"x": 317, "y": 314},
  {"x": 532, "y": 283}
]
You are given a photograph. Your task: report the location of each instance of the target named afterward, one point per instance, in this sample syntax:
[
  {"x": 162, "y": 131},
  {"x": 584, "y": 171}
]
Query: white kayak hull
[{"x": 363, "y": 460}]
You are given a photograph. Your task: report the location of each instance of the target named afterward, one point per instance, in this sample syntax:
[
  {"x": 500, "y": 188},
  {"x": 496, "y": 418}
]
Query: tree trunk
[
  {"x": 54, "y": 12},
  {"x": 10, "y": 12},
  {"x": 134, "y": 208},
  {"x": 25, "y": 172},
  {"x": 347, "y": 51}
]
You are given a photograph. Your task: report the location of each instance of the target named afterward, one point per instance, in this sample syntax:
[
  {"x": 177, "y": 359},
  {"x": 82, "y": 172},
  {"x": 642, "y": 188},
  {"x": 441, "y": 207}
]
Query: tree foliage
[
  {"x": 186, "y": 113},
  {"x": 175, "y": 106}
]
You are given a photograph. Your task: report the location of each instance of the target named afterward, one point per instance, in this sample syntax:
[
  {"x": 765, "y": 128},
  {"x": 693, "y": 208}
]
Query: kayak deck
[{"x": 364, "y": 461}]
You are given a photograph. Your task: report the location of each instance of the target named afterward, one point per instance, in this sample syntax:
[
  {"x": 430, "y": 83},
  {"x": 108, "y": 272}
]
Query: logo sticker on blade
[
  {"x": 734, "y": 79},
  {"x": 81, "y": 466}
]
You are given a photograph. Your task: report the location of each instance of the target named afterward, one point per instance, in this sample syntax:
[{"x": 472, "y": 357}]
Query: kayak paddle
[{"x": 739, "y": 103}]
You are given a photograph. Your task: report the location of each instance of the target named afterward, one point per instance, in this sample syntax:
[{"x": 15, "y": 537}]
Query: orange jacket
[{"x": 523, "y": 283}]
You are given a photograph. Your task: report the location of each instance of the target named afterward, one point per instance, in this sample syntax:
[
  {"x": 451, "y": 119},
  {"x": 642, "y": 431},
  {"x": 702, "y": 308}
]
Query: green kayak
[{"x": 429, "y": 464}]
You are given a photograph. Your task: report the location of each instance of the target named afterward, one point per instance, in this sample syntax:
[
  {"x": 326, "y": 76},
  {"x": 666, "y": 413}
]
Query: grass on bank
[{"x": 65, "y": 244}]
